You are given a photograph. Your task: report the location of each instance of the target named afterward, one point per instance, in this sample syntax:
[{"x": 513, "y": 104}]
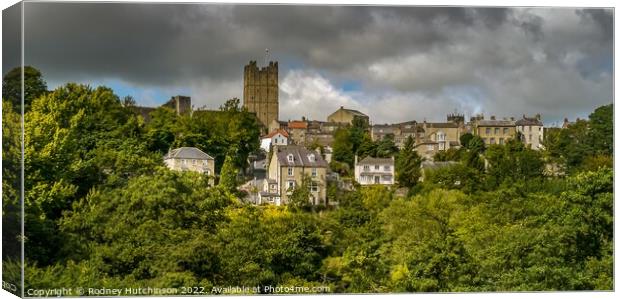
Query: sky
[{"x": 393, "y": 63}]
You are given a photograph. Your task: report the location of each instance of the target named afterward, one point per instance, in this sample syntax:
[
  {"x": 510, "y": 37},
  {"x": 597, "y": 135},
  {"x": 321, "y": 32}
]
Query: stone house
[
  {"x": 531, "y": 131},
  {"x": 494, "y": 131},
  {"x": 288, "y": 166},
  {"x": 346, "y": 116},
  {"x": 297, "y": 130},
  {"x": 190, "y": 159}
]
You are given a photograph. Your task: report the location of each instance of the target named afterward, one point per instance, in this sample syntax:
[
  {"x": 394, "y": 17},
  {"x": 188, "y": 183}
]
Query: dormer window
[
  {"x": 311, "y": 158},
  {"x": 290, "y": 158}
]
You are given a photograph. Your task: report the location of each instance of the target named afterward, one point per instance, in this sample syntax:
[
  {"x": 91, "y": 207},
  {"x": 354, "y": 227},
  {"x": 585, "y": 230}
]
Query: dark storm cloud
[
  {"x": 162, "y": 43},
  {"x": 493, "y": 60}
]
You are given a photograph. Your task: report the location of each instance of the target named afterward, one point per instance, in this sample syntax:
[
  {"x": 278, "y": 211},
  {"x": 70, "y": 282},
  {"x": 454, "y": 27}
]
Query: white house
[
  {"x": 374, "y": 171},
  {"x": 276, "y": 137},
  {"x": 531, "y": 131}
]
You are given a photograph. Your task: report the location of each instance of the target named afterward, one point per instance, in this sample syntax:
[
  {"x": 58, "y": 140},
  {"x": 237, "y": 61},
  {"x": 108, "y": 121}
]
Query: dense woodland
[{"x": 103, "y": 211}]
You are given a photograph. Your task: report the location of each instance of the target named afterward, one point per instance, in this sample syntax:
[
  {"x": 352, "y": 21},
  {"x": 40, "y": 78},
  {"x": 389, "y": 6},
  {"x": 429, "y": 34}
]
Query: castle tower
[{"x": 260, "y": 91}]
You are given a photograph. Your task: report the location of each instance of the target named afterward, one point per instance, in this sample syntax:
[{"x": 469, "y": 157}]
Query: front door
[{"x": 376, "y": 179}]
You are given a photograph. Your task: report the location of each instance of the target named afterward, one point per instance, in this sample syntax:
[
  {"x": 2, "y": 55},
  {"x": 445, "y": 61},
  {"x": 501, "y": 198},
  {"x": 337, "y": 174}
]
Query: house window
[
  {"x": 386, "y": 167},
  {"x": 208, "y": 172},
  {"x": 501, "y": 141},
  {"x": 290, "y": 158},
  {"x": 496, "y": 131},
  {"x": 366, "y": 167},
  {"x": 313, "y": 171},
  {"x": 193, "y": 162},
  {"x": 314, "y": 187},
  {"x": 529, "y": 128},
  {"x": 184, "y": 162},
  {"x": 441, "y": 136},
  {"x": 505, "y": 131},
  {"x": 376, "y": 167},
  {"x": 484, "y": 140},
  {"x": 529, "y": 138},
  {"x": 492, "y": 140},
  {"x": 290, "y": 171},
  {"x": 290, "y": 185},
  {"x": 488, "y": 131}
]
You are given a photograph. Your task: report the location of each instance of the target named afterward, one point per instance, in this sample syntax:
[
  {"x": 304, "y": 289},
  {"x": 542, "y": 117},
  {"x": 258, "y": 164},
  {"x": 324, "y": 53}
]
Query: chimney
[
  {"x": 492, "y": 117},
  {"x": 538, "y": 116},
  {"x": 341, "y": 107},
  {"x": 512, "y": 118},
  {"x": 355, "y": 160}
]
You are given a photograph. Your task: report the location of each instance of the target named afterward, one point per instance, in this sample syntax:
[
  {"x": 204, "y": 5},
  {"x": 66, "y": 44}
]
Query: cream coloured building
[
  {"x": 531, "y": 130},
  {"x": 346, "y": 116},
  {"x": 288, "y": 166},
  {"x": 494, "y": 131},
  {"x": 190, "y": 159}
]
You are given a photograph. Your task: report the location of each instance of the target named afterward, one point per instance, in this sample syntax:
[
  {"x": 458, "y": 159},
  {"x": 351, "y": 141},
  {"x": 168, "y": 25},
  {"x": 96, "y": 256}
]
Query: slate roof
[
  {"x": 443, "y": 125},
  {"x": 375, "y": 161},
  {"x": 187, "y": 153},
  {"x": 496, "y": 123},
  {"x": 300, "y": 157},
  {"x": 527, "y": 121}
]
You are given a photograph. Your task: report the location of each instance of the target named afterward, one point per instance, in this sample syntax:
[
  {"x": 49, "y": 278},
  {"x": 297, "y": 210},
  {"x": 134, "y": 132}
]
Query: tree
[
  {"x": 386, "y": 147},
  {"x": 342, "y": 147},
  {"x": 228, "y": 175},
  {"x": 513, "y": 161},
  {"x": 77, "y": 137},
  {"x": 408, "y": 165},
  {"x": 34, "y": 87},
  {"x": 465, "y": 139},
  {"x": 301, "y": 195},
  {"x": 160, "y": 234},
  {"x": 601, "y": 130}
]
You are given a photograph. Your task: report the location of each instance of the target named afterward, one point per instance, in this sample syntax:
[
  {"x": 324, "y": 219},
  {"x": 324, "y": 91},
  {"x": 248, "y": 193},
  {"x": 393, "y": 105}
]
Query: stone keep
[{"x": 260, "y": 91}]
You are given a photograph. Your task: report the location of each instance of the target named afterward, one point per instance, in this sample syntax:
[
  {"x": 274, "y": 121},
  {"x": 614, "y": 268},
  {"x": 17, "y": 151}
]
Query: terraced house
[
  {"x": 288, "y": 166},
  {"x": 494, "y": 131}
]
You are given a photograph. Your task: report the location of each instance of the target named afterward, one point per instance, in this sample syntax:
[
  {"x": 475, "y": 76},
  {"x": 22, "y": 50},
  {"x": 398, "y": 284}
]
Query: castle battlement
[{"x": 260, "y": 91}]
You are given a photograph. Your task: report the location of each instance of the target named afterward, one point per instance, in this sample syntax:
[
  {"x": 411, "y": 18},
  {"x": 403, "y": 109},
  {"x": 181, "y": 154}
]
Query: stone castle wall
[{"x": 260, "y": 91}]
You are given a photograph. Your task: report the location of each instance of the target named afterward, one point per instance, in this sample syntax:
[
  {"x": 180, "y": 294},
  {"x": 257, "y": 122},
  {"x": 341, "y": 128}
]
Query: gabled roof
[
  {"x": 276, "y": 131},
  {"x": 297, "y": 124},
  {"x": 187, "y": 153},
  {"x": 300, "y": 157},
  {"x": 375, "y": 161}
]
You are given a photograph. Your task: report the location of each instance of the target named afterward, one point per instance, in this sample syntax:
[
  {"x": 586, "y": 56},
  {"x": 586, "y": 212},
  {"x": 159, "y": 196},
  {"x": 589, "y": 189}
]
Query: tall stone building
[{"x": 260, "y": 91}]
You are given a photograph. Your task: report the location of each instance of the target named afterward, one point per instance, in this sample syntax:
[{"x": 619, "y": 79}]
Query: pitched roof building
[
  {"x": 374, "y": 171},
  {"x": 288, "y": 166},
  {"x": 190, "y": 159},
  {"x": 346, "y": 116}
]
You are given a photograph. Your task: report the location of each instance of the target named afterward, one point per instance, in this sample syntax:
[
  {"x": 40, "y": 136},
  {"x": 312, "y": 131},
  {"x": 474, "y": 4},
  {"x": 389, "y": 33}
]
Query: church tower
[{"x": 260, "y": 91}]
